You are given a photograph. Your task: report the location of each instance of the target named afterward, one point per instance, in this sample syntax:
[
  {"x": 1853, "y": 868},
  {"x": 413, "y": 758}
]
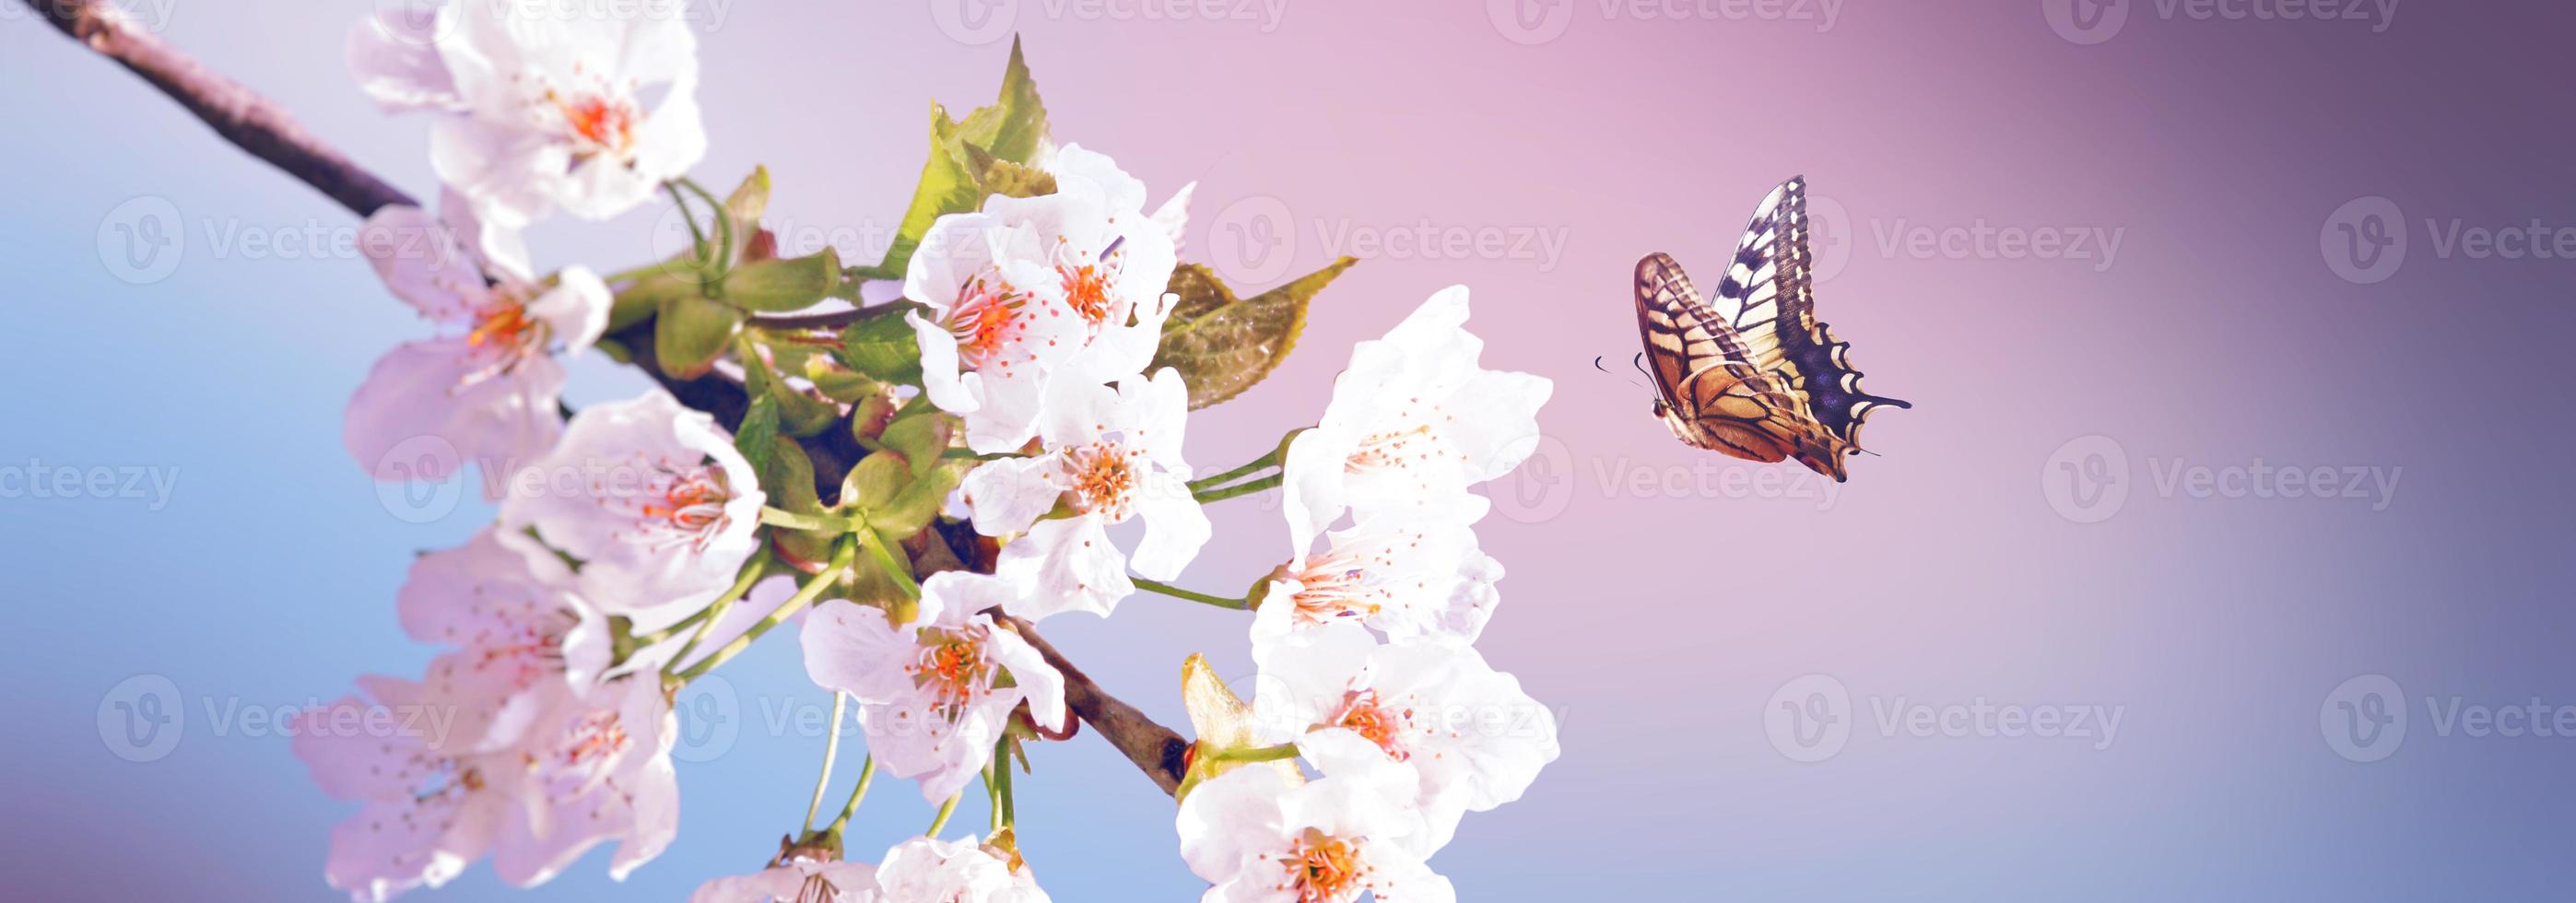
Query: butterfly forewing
[{"x": 1681, "y": 334}]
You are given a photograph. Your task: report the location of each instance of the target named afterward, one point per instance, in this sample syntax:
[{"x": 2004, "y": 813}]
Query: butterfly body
[{"x": 1757, "y": 378}]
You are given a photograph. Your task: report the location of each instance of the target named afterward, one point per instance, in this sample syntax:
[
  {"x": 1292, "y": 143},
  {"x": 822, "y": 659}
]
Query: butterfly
[{"x": 1766, "y": 381}]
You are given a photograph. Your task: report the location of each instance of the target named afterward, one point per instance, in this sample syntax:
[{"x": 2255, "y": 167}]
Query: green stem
[
  {"x": 777, "y": 517},
  {"x": 992, "y": 800},
  {"x": 697, "y": 237},
  {"x": 1217, "y": 495},
  {"x": 945, "y": 810},
  {"x": 725, "y": 247},
  {"x": 831, "y": 748},
  {"x": 752, "y": 571},
  {"x": 649, "y": 269},
  {"x": 885, "y": 558},
  {"x": 1265, "y": 461},
  {"x": 842, "y": 556},
  {"x": 1179, "y": 593},
  {"x": 867, "y": 776},
  {"x": 643, "y": 640},
  {"x": 1277, "y": 454},
  {"x": 1008, "y": 816}
]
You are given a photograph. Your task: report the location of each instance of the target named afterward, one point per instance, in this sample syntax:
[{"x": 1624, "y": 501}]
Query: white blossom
[
  {"x": 1109, "y": 455},
  {"x": 934, "y": 692},
  {"x": 1413, "y": 421},
  {"x": 1029, "y": 288},
  {"x": 651, "y": 498},
  {"x": 488, "y": 387},
  {"x": 1466, "y": 734},
  {"x": 1258, "y": 839},
  {"x": 543, "y": 105}
]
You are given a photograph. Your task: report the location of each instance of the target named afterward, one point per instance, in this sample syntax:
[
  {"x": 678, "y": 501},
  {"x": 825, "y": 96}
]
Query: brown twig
[
  {"x": 1155, "y": 749},
  {"x": 251, "y": 122},
  {"x": 258, "y": 125}
]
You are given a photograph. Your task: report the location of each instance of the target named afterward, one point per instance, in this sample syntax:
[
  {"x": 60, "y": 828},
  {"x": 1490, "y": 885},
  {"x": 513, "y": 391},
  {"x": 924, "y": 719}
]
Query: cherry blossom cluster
[{"x": 1035, "y": 401}]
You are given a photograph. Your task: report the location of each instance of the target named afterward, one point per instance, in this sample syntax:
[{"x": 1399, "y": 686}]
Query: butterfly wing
[
  {"x": 1770, "y": 288},
  {"x": 1714, "y": 395}
]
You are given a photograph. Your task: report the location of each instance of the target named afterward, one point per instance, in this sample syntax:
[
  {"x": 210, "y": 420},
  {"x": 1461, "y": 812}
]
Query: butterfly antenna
[
  {"x": 1639, "y": 362},
  {"x": 1596, "y": 365}
]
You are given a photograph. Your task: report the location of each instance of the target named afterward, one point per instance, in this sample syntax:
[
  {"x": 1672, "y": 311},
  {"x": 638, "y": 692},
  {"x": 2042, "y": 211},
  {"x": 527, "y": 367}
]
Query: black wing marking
[{"x": 1771, "y": 284}]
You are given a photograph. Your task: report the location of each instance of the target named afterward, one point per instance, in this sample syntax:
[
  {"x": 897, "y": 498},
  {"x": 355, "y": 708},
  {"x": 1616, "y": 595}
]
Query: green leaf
[
  {"x": 789, "y": 480},
  {"x": 1011, "y": 129},
  {"x": 691, "y": 332},
  {"x": 798, "y": 414},
  {"x": 883, "y": 348},
  {"x": 875, "y": 482},
  {"x": 1223, "y": 345},
  {"x": 917, "y": 503},
  {"x": 1015, "y": 126},
  {"x": 1006, "y": 178},
  {"x": 750, "y": 201},
  {"x": 838, "y": 383},
  {"x": 758, "y": 435},
  {"x": 777, "y": 286},
  {"x": 644, "y": 298},
  {"x": 920, "y": 438}
]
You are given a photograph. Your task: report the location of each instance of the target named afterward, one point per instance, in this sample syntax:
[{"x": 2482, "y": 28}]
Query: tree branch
[
  {"x": 251, "y": 122},
  {"x": 258, "y": 125},
  {"x": 1155, "y": 749}
]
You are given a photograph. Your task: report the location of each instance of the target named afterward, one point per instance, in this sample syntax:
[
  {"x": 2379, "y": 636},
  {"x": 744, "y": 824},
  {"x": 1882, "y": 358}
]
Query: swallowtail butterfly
[{"x": 1765, "y": 381}]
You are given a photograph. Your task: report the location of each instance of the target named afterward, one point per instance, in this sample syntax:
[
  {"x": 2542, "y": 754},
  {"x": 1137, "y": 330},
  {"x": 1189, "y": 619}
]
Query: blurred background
[{"x": 2224, "y": 555}]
